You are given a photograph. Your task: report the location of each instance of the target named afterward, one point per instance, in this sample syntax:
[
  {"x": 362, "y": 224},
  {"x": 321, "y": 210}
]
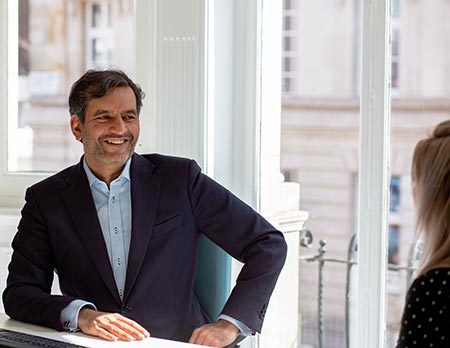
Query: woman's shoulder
[
  {"x": 433, "y": 285},
  {"x": 431, "y": 275},
  {"x": 427, "y": 309}
]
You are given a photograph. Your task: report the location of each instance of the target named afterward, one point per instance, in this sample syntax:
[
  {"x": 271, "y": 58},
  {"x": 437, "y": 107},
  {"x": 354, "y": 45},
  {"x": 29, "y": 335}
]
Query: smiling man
[{"x": 122, "y": 230}]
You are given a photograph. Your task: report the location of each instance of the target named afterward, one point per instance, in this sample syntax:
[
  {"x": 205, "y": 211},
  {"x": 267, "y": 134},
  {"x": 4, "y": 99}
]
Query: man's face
[{"x": 110, "y": 130}]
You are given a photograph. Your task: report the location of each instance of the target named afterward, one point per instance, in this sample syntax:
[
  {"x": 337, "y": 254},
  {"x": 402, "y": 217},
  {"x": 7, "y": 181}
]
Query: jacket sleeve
[
  {"x": 246, "y": 236},
  {"x": 27, "y": 295}
]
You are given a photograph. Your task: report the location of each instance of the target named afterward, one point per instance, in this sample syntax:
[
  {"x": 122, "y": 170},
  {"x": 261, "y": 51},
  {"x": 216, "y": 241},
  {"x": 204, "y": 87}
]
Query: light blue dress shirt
[{"x": 113, "y": 206}]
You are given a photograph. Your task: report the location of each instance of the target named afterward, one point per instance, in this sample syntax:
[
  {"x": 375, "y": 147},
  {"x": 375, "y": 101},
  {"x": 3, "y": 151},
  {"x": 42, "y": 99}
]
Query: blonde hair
[{"x": 431, "y": 182}]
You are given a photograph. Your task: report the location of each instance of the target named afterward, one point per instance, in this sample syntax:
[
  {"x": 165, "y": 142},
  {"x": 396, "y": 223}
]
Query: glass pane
[
  {"x": 96, "y": 15},
  {"x": 421, "y": 100},
  {"x": 319, "y": 150},
  {"x": 395, "y": 8},
  {"x": 58, "y": 41}
]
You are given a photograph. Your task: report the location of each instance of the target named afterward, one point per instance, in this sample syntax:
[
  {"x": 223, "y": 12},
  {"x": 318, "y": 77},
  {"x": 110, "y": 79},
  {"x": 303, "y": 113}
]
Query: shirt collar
[{"x": 92, "y": 178}]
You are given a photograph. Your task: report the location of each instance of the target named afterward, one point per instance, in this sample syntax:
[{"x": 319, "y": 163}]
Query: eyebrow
[{"x": 103, "y": 111}]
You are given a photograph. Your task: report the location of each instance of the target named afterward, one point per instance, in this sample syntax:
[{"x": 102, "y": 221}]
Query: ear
[{"x": 76, "y": 127}]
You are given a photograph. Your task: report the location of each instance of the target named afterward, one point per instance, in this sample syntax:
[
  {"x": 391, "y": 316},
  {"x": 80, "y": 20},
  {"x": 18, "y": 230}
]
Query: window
[
  {"x": 420, "y": 99},
  {"x": 319, "y": 143},
  {"x": 290, "y": 37},
  {"x": 48, "y": 62},
  {"x": 319, "y": 138},
  {"x": 394, "y": 193},
  {"x": 394, "y": 236},
  {"x": 395, "y": 44},
  {"x": 100, "y": 31},
  {"x": 327, "y": 92}
]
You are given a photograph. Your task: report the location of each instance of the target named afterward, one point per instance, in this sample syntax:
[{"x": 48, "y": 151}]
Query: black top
[{"x": 426, "y": 317}]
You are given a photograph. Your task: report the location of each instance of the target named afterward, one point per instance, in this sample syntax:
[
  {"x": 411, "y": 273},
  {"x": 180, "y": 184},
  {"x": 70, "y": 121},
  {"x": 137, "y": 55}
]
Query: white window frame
[
  {"x": 374, "y": 144},
  {"x": 373, "y": 174}
]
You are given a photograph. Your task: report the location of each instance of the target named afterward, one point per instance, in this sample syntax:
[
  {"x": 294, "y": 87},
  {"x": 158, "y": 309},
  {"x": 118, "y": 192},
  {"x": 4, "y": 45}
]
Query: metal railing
[{"x": 306, "y": 241}]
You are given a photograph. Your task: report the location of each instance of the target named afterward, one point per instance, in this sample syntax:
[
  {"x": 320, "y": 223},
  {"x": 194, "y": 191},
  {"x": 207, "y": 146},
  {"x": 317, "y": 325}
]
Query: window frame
[{"x": 374, "y": 177}]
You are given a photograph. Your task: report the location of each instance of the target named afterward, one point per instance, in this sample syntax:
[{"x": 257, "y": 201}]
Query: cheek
[
  {"x": 97, "y": 130},
  {"x": 134, "y": 129}
]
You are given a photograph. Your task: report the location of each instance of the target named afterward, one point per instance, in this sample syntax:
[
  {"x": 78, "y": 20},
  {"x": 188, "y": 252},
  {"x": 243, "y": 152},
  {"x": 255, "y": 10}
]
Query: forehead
[{"x": 119, "y": 98}]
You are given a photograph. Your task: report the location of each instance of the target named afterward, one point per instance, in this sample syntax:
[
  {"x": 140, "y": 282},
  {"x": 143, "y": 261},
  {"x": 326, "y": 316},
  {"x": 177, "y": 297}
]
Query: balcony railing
[{"x": 306, "y": 241}]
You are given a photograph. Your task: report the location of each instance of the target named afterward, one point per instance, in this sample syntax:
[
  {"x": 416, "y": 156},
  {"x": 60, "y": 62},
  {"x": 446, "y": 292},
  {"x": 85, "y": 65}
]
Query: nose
[{"x": 118, "y": 126}]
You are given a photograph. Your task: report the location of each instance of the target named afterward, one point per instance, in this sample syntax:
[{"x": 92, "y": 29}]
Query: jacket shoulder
[
  {"x": 157, "y": 158},
  {"x": 164, "y": 163},
  {"x": 55, "y": 181}
]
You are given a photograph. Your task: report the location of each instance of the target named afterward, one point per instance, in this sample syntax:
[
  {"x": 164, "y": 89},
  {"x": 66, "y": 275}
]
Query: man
[{"x": 121, "y": 230}]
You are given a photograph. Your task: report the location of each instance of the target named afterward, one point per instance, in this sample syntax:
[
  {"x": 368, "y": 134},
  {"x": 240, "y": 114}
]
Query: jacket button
[{"x": 125, "y": 310}]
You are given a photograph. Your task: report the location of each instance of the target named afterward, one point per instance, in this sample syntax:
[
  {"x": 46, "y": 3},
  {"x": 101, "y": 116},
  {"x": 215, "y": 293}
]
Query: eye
[
  {"x": 103, "y": 117},
  {"x": 129, "y": 117}
]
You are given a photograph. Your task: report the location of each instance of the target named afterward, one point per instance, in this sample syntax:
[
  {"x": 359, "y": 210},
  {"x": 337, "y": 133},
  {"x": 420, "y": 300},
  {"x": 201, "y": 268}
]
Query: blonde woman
[{"x": 426, "y": 317}]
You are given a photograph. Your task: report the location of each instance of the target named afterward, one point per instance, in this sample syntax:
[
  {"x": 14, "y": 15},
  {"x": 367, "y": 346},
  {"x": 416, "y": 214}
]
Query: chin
[{"x": 117, "y": 159}]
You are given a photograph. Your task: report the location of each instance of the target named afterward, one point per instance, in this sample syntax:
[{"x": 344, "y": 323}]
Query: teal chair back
[{"x": 212, "y": 282}]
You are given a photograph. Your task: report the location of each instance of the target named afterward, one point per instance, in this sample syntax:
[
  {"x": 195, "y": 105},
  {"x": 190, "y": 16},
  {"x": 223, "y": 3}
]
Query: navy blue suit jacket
[{"x": 172, "y": 204}]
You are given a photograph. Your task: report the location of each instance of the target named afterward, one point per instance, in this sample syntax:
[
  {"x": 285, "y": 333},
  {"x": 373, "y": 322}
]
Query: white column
[{"x": 374, "y": 175}]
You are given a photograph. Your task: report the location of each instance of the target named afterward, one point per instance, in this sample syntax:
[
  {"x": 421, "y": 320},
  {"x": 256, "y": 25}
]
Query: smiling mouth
[{"x": 116, "y": 142}]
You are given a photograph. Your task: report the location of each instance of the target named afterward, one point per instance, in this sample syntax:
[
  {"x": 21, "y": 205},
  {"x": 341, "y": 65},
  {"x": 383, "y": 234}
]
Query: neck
[{"x": 106, "y": 172}]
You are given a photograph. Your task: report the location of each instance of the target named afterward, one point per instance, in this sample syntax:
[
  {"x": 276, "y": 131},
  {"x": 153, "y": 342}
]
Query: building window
[
  {"x": 395, "y": 44},
  {"x": 394, "y": 188},
  {"x": 393, "y": 250},
  {"x": 100, "y": 35},
  {"x": 290, "y": 35}
]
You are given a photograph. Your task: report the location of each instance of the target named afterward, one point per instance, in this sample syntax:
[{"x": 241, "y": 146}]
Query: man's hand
[
  {"x": 110, "y": 326},
  {"x": 219, "y": 334}
]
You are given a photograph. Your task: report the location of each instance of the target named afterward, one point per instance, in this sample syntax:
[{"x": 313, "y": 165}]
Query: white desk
[{"x": 88, "y": 341}]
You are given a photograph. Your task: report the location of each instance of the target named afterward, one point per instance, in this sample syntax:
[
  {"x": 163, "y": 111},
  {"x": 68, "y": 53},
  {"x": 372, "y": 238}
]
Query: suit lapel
[
  {"x": 78, "y": 198},
  {"x": 145, "y": 190}
]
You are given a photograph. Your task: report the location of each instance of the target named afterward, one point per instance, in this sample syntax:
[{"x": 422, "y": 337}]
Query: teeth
[{"x": 116, "y": 142}]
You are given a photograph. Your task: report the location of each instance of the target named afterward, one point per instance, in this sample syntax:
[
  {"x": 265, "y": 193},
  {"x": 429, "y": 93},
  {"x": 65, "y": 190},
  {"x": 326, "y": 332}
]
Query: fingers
[
  {"x": 110, "y": 326},
  {"x": 114, "y": 324},
  {"x": 125, "y": 329},
  {"x": 219, "y": 334},
  {"x": 102, "y": 333}
]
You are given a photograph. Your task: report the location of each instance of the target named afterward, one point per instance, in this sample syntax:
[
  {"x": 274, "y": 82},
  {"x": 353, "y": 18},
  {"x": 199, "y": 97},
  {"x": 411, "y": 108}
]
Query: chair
[{"x": 212, "y": 282}]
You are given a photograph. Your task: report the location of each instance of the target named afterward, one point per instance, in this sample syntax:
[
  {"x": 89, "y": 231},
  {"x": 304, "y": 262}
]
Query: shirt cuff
[
  {"x": 244, "y": 329},
  {"x": 69, "y": 314}
]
